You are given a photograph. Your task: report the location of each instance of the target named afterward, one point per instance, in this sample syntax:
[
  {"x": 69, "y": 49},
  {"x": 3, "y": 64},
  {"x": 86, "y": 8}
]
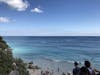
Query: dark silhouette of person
[
  {"x": 58, "y": 69},
  {"x": 83, "y": 71},
  {"x": 76, "y": 70},
  {"x": 41, "y": 72},
  {"x": 89, "y": 68}
]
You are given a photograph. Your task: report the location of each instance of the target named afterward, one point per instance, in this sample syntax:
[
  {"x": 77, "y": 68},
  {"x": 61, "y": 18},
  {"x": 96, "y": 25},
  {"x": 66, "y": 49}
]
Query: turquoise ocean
[{"x": 56, "y": 48}]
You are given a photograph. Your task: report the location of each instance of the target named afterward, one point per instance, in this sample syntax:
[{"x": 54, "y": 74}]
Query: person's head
[
  {"x": 75, "y": 64},
  {"x": 87, "y": 64}
]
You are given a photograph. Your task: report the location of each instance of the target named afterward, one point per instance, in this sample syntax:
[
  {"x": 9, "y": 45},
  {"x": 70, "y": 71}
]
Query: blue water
[{"x": 56, "y": 48}]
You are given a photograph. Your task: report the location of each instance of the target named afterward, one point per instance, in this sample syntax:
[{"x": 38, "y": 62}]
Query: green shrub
[{"x": 6, "y": 60}]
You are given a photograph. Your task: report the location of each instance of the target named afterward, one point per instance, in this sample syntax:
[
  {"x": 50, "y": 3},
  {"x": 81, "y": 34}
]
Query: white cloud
[
  {"x": 37, "y": 10},
  {"x": 4, "y": 20},
  {"x": 19, "y": 5}
]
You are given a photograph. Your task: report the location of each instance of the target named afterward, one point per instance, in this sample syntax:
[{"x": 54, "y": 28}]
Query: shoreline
[
  {"x": 49, "y": 61},
  {"x": 48, "y": 65},
  {"x": 57, "y": 67}
]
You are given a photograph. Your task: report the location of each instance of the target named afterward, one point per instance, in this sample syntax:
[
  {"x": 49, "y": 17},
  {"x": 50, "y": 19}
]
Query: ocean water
[{"x": 56, "y": 48}]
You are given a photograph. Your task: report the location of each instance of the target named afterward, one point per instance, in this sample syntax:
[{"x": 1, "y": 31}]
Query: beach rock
[{"x": 15, "y": 72}]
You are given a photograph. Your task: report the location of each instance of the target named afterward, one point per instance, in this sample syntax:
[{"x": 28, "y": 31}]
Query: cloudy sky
[{"x": 50, "y": 17}]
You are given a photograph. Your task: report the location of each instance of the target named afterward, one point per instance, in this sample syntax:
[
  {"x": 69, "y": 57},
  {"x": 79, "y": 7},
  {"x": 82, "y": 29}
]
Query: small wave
[
  {"x": 50, "y": 59},
  {"x": 70, "y": 61},
  {"x": 57, "y": 60}
]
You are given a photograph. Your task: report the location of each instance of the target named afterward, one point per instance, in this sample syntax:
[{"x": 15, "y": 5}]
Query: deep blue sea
[{"x": 65, "y": 48}]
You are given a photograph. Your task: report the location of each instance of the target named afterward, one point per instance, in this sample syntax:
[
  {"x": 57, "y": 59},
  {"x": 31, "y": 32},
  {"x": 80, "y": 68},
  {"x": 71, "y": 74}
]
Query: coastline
[
  {"x": 50, "y": 65},
  {"x": 35, "y": 49},
  {"x": 58, "y": 68}
]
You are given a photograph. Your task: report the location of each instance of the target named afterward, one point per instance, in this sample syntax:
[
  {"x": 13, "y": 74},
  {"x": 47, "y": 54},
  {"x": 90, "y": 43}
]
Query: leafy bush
[{"x": 6, "y": 60}]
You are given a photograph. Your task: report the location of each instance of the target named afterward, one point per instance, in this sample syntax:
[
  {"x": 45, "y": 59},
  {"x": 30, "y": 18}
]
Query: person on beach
[
  {"x": 46, "y": 72},
  {"x": 41, "y": 72},
  {"x": 58, "y": 69},
  {"x": 76, "y": 70},
  {"x": 87, "y": 69},
  {"x": 83, "y": 71}
]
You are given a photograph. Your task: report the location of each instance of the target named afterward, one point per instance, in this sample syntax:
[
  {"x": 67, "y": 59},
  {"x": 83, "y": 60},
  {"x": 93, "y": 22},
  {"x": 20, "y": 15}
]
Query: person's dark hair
[
  {"x": 87, "y": 64},
  {"x": 75, "y": 63}
]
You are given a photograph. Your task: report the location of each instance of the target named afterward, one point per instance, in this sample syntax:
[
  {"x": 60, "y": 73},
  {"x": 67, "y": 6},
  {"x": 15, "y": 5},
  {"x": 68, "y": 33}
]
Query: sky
[{"x": 50, "y": 17}]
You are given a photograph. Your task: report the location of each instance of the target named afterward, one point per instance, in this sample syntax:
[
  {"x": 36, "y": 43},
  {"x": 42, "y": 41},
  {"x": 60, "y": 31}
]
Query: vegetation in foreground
[{"x": 7, "y": 60}]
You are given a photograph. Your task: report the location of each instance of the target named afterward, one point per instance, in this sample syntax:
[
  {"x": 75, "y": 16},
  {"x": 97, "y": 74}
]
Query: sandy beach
[{"x": 55, "y": 67}]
